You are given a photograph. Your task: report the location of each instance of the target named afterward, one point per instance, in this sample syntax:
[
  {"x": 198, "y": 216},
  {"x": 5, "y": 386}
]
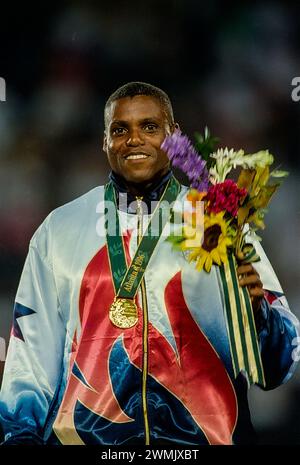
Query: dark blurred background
[{"x": 224, "y": 65}]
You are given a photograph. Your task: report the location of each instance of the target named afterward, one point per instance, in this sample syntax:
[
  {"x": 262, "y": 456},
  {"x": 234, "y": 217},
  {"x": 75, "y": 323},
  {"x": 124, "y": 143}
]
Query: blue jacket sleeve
[
  {"x": 279, "y": 328},
  {"x": 279, "y": 338}
]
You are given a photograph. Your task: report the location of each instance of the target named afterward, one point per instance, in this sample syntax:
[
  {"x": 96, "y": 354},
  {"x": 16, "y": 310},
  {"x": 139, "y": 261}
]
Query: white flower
[
  {"x": 228, "y": 159},
  {"x": 259, "y": 159},
  {"x": 225, "y": 161}
]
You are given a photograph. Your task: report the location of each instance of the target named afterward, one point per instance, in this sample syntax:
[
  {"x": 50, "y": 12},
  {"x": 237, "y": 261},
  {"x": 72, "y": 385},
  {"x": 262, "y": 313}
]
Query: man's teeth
[{"x": 135, "y": 157}]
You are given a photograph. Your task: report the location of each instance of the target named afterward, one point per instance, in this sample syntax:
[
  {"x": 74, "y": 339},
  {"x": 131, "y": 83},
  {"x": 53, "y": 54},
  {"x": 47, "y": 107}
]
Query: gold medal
[{"x": 123, "y": 313}]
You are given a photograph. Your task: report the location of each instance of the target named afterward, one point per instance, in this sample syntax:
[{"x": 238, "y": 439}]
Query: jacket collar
[{"x": 126, "y": 201}]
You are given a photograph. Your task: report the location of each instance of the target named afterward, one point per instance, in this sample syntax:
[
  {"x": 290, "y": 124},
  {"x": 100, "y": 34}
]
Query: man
[{"x": 99, "y": 356}]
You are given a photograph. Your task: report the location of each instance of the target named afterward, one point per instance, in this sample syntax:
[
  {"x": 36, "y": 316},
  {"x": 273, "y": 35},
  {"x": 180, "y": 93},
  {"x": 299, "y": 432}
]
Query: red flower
[{"x": 225, "y": 196}]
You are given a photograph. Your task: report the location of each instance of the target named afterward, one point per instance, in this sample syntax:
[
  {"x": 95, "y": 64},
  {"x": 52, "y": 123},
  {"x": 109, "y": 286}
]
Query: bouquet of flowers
[{"x": 234, "y": 209}]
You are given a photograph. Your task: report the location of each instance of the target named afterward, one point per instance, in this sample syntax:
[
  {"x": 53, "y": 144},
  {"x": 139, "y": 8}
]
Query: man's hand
[{"x": 249, "y": 277}]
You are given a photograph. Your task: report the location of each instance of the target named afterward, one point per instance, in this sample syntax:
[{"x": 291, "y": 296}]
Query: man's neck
[
  {"x": 151, "y": 191},
  {"x": 142, "y": 188}
]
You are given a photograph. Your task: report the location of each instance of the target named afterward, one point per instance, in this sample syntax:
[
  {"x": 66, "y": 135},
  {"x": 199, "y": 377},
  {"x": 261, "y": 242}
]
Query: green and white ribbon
[
  {"x": 241, "y": 328},
  {"x": 127, "y": 279}
]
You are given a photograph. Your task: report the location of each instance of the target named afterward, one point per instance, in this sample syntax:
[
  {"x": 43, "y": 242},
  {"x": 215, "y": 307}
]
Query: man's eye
[
  {"x": 151, "y": 127},
  {"x": 118, "y": 131}
]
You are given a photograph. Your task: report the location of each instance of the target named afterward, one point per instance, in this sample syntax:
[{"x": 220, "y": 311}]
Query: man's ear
[
  {"x": 104, "y": 145},
  {"x": 175, "y": 127}
]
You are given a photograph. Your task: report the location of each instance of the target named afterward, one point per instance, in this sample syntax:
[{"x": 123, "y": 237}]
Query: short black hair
[{"x": 131, "y": 89}]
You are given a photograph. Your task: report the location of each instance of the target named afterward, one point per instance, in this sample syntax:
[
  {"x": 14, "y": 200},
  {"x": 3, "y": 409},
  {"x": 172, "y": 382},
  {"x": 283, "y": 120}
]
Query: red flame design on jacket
[{"x": 196, "y": 377}]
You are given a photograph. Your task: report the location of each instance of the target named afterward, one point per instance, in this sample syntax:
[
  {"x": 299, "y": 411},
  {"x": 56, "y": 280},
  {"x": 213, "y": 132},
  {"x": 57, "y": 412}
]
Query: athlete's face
[{"x": 136, "y": 128}]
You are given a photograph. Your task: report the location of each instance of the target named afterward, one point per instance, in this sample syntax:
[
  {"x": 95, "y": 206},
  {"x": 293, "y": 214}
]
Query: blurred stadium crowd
[{"x": 225, "y": 66}]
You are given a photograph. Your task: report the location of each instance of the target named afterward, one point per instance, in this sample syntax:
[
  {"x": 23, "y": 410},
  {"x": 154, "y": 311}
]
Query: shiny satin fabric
[
  {"x": 109, "y": 360},
  {"x": 73, "y": 378}
]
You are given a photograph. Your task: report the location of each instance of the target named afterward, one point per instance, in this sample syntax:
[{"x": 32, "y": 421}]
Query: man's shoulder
[
  {"x": 82, "y": 203},
  {"x": 71, "y": 215}
]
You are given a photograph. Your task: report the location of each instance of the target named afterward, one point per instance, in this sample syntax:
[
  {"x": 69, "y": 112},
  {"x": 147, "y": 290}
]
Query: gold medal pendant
[{"x": 123, "y": 313}]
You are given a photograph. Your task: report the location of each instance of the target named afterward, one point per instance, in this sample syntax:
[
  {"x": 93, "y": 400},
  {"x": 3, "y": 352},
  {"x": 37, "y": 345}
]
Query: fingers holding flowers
[{"x": 249, "y": 277}]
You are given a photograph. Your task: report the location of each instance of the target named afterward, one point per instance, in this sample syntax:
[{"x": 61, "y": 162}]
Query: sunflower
[{"x": 213, "y": 245}]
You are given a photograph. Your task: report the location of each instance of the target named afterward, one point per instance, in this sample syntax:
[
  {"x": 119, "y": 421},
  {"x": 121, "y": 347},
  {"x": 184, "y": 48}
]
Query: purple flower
[{"x": 184, "y": 156}]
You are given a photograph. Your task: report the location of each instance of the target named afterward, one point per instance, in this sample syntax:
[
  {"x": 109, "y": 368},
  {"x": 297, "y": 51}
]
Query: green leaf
[
  {"x": 205, "y": 145},
  {"x": 175, "y": 240},
  {"x": 279, "y": 174}
]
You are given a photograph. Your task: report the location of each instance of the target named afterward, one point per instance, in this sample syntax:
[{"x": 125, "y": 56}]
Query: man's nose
[{"x": 135, "y": 138}]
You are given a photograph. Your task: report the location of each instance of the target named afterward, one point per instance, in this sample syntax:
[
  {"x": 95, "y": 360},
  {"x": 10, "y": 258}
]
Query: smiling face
[{"x": 136, "y": 128}]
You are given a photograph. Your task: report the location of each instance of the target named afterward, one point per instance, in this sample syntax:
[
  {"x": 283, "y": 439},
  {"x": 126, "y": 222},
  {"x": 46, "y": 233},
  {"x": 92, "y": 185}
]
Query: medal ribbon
[{"x": 127, "y": 279}]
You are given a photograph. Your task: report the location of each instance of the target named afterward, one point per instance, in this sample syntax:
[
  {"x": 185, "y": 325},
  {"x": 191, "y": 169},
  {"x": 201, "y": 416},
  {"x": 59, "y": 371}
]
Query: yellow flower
[
  {"x": 260, "y": 193},
  {"x": 212, "y": 248},
  {"x": 195, "y": 196}
]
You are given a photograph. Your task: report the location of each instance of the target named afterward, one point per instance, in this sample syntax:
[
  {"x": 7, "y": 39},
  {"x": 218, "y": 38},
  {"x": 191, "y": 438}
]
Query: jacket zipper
[{"x": 145, "y": 331}]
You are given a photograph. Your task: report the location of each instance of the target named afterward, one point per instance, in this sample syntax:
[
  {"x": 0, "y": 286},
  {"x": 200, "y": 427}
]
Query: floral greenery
[
  {"x": 205, "y": 144},
  {"x": 232, "y": 209}
]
